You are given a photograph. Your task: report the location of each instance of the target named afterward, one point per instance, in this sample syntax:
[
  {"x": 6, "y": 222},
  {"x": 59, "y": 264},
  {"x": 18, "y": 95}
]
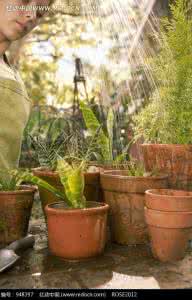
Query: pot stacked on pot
[{"x": 168, "y": 214}]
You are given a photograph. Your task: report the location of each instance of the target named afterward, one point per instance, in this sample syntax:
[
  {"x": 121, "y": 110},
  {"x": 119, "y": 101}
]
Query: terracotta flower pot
[
  {"x": 125, "y": 196},
  {"x": 169, "y": 232},
  {"x": 15, "y": 212},
  {"x": 174, "y": 160},
  {"x": 169, "y": 200},
  {"x": 77, "y": 233}
]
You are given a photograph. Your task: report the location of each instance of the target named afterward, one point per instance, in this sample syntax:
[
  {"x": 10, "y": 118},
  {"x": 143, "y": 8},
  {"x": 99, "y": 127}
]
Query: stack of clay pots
[{"x": 168, "y": 214}]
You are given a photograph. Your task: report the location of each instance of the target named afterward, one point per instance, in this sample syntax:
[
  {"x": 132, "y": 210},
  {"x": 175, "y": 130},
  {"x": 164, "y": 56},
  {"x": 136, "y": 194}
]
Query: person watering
[{"x": 15, "y": 105}]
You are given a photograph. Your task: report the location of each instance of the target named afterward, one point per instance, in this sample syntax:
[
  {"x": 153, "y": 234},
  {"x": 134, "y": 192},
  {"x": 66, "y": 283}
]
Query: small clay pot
[
  {"x": 76, "y": 234},
  {"x": 126, "y": 198},
  {"x": 169, "y": 233},
  {"x": 15, "y": 212}
]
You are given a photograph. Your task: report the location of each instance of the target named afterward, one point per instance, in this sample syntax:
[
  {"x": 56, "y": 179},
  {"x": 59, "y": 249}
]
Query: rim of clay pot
[
  {"x": 24, "y": 189},
  {"x": 168, "y": 219},
  {"x": 96, "y": 208},
  {"x": 166, "y": 193},
  {"x": 45, "y": 172},
  {"x": 106, "y": 163},
  {"x": 49, "y": 173},
  {"x": 122, "y": 177},
  {"x": 91, "y": 174},
  {"x": 167, "y": 145}
]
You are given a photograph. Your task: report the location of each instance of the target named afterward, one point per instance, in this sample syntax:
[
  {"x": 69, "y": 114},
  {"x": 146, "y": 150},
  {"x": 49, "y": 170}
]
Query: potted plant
[
  {"x": 124, "y": 191},
  {"x": 76, "y": 227},
  {"x": 166, "y": 122},
  {"x": 106, "y": 157},
  {"x": 168, "y": 214},
  {"x": 48, "y": 149},
  {"x": 16, "y": 202},
  {"x": 78, "y": 231}
]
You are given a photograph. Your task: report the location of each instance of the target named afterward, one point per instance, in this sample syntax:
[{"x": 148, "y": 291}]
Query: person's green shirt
[{"x": 15, "y": 107}]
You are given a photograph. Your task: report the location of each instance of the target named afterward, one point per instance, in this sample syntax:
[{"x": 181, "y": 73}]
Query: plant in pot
[
  {"x": 76, "y": 227},
  {"x": 124, "y": 191},
  {"x": 48, "y": 149},
  {"x": 166, "y": 122},
  {"x": 168, "y": 214},
  {"x": 16, "y": 202},
  {"x": 107, "y": 157}
]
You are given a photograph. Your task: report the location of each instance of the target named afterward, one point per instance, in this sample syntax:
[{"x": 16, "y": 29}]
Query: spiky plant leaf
[
  {"x": 10, "y": 180},
  {"x": 110, "y": 124},
  {"x": 72, "y": 179},
  {"x": 28, "y": 177},
  {"x": 48, "y": 150},
  {"x": 93, "y": 126}
]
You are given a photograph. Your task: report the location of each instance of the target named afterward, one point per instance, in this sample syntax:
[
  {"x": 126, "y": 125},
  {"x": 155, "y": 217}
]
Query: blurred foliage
[
  {"x": 112, "y": 81},
  {"x": 168, "y": 117}
]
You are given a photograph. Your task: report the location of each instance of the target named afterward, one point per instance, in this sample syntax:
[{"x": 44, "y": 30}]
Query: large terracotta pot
[
  {"x": 169, "y": 232},
  {"x": 125, "y": 196},
  {"x": 15, "y": 212},
  {"x": 174, "y": 160},
  {"x": 168, "y": 200},
  {"x": 77, "y": 233}
]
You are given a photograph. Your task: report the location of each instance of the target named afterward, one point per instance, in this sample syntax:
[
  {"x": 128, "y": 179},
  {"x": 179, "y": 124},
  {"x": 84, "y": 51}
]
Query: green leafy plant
[
  {"x": 72, "y": 178},
  {"x": 47, "y": 150},
  {"x": 11, "y": 180},
  {"x": 71, "y": 169},
  {"x": 71, "y": 172},
  {"x": 168, "y": 117},
  {"x": 104, "y": 140},
  {"x": 136, "y": 168}
]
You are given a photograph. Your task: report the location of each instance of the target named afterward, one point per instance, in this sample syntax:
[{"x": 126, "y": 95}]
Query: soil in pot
[
  {"x": 76, "y": 234},
  {"x": 174, "y": 160},
  {"x": 126, "y": 198},
  {"x": 15, "y": 212},
  {"x": 169, "y": 233}
]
